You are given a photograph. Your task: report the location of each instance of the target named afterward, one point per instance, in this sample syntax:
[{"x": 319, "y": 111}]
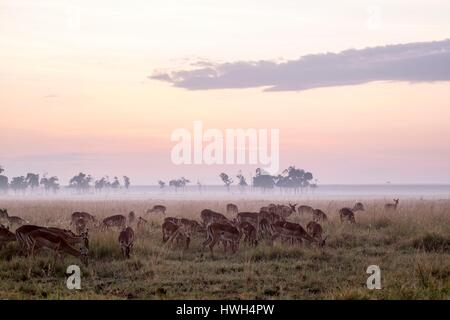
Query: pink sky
[{"x": 75, "y": 93}]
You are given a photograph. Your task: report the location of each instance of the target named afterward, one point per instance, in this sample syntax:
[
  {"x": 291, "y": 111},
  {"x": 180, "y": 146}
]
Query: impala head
[
  {"x": 322, "y": 242},
  {"x": 396, "y": 201},
  {"x": 358, "y": 207},
  {"x": 85, "y": 236},
  {"x": 3, "y": 213},
  {"x": 84, "y": 256},
  {"x": 293, "y": 206}
]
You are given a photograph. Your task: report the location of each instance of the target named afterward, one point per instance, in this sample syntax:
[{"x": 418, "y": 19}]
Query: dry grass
[{"x": 411, "y": 246}]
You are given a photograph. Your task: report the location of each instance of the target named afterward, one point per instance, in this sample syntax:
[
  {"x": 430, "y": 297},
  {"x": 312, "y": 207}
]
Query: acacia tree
[
  {"x": 50, "y": 184},
  {"x": 226, "y": 180},
  {"x": 4, "y": 181},
  {"x": 80, "y": 182},
  {"x": 32, "y": 180},
  {"x": 19, "y": 184}
]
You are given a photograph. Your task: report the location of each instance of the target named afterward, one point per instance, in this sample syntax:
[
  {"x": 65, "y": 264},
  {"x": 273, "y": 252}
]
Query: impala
[
  {"x": 316, "y": 231},
  {"x": 80, "y": 225},
  {"x": 45, "y": 239},
  {"x": 191, "y": 225},
  {"x": 249, "y": 231},
  {"x": 131, "y": 217},
  {"x": 305, "y": 210},
  {"x": 126, "y": 241},
  {"x": 118, "y": 221},
  {"x": 290, "y": 230},
  {"x": 208, "y": 216},
  {"x": 141, "y": 223},
  {"x": 346, "y": 214},
  {"x": 173, "y": 231},
  {"x": 87, "y": 217},
  {"x": 12, "y": 220},
  {"x": 319, "y": 215},
  {"x": 232, "y": 208},
  {"x": 70, "y": 237},
  {"x": 157, "y": 209},
  {"x": 6, "y": 236},
  {"x": 22, "y": 236},
  {"x": 391, "y": 206},
  {"x": 223, "y": 232}
]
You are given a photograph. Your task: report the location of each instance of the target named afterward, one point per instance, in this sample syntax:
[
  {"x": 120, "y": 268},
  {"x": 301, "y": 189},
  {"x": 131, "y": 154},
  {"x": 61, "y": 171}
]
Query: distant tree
[
  {"x": 161, "y": 184},
  {"x": 32, "y": 180},
  {"x": 115, "y": 184},
  {"x": 100, "y": 184},
  {"x": 263, "y": 180},
  {"x": 242, "y": 181},
  {"x": 80, "y": 182},
  {"x": 19, "y": 184},
  {"x": 179, "y": 183},
  {"x": 126, "y": 182},
  {"x": 50, "y": 184},
  {"x": 4, "y": 181},
  {"x": 226, "y": 180}
]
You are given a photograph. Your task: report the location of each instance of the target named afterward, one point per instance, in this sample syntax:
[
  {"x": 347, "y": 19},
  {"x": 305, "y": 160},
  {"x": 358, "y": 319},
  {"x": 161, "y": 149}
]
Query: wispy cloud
[{"x": 413, "y": 62}]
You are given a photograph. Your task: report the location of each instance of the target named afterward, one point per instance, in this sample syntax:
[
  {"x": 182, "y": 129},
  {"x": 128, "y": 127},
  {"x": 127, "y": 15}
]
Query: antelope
[
  {"x": 222, "y": 232},
  {"x": 87, "y": 217},
  {"x": 232, "y": 208},
  {"x": 80, "y": 225},
  {"x": 6, "y": 236},
  {"x": 191, "y": 225},
  {"x": 293, "y": 231},
  {"x": 157, "y": 209},
  {"x": 70, "y": 237},
  {"x": 22, "y": 236},
  {"x": 284, "y": 211},
  {"x": 141, "y": 223},
  {"x": 391, "y": 206},
  {"x": 346, "y": 214},
  {"x": 126, "y": 241},
  {"x": 249, "y": 232},
  {"x": 45, "y": 239},
  {"x": 358, "y": 207},
  {"x": 118, "y": 221},
  {"x": 11, "y": 219},
  {"x": 305, "y": 210},
  {"x": 319, "y": 215},
  {"x": 316, "y": 231},
  {"x": 208, "y": 216},
  {"x": 173, "y": 231},
  {"x": 131, "y": 217}
]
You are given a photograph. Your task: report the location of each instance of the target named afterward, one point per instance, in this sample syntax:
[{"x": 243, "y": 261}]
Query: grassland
[{"x": 411, "y": 246}]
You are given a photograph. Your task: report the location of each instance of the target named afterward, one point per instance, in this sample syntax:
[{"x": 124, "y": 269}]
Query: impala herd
[{"x": 269, "y": 223}]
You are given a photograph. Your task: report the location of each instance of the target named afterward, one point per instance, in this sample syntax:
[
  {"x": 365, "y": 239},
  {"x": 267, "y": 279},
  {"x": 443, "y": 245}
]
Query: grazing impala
[
  {"x": 232, "y": 208},
  {"x": 346, "y": 214},
  {"x": 290, "y": 230},
  {"x": 118, "y": 221},
  {"x": 316, "y": 231},
  {"x": 45, "y": 239},
  {"x": 22, "y": 236},
  {"x": 126, "y": 241},
  {"x": 70, "y": 237},
  {"x": 319, "y": 215},
  {"x": 208, "y": 216},
  {"x": 223, "y": 232},
  {"x": 249, "y": 231},
  {"x": 305, "y": 210},
  {"x": 80, "y": 225},
  {"x": 87, "y": 217},
  {"x": 141, "y": 223},
  {"x": 174, "y": 231},
  {"x": 12, "y": 220},
  {"x": 391, "y": 206},
  {"x": 157, "y": 209},
  {"x": 6, "y": 236},
  {"x": 131, "y": 217}
]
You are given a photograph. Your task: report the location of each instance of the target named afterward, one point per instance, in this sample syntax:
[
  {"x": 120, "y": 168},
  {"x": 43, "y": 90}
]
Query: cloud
[{"x": 412, "y": 62}]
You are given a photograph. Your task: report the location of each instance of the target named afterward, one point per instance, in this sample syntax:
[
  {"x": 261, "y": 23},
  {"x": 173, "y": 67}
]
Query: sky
[{"x": 358, "y": 89}]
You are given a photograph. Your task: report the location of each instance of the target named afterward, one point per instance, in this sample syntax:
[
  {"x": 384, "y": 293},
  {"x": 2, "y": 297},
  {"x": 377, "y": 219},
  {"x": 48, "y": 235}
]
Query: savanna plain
[{"x": 411, "y": 245}]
